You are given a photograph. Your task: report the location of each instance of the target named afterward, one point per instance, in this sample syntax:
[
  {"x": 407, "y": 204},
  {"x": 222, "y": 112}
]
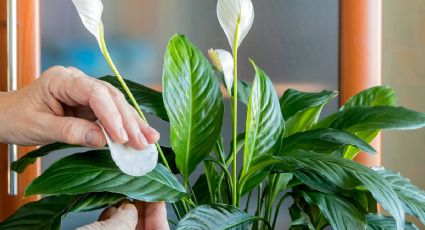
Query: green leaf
[
  {"x": 244, "y": 90},
  {"x": 201, "y": 190},
  {"x": 379, "y": 222},
  {"x": 344, "y": 173},
  {"x": 193, "y": 102},
  {"x": 351, "y": 151},
  {"x": 301, "y": 110},
  {"x": 265, "y": 126},
  {"x": 25, "y": 161},
  {"x": 375, "y": 96},
  {"x": 278, "y": 183},
  {"x": 361, "y": 119},
  {"x": 323, "y": 141},
  {"x": 300, "y": 219},
  {"x": 340, "y": 212},
  {"x": 318, "y": 182},
  {"x": 47, "y": 213},
  {"x": 412, "y": 197},
  {"x": 149, "y": 100},
  {"x": 215, "y": 216},
  {"x": 28, "y": 159},
  {"x": 94, "y": 171}
]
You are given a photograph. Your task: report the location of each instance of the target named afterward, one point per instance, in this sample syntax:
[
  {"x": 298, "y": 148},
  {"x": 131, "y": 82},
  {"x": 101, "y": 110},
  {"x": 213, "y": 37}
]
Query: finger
[
  {"x": 151, "y": 135},
  {"x": 125, "y": 217},
  {"x": 136, "y": 139},
  {"x": 156, "y": 216},
  {"x": 131, "y": 120},
  {"x": 76, "y": 71},
  {"x": 140, "y": 205},
  {"x": 139, "y": 133},
  {"x": 83, "y": 91},
  {"x": 75, "y": 131}
]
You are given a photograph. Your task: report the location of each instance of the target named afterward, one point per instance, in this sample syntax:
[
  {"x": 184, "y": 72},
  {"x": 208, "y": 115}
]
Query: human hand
[
  {"x": 62, "y": 105},
  {"x": 140, "y": 216}
]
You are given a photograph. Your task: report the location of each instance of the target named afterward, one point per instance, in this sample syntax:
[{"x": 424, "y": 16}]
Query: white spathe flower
[
  {"x": 233, "y": 14},
  {"x": 131, "y": 161},
  {"x": 90, "y": 12},
  {"x": 223, "y": 60}
]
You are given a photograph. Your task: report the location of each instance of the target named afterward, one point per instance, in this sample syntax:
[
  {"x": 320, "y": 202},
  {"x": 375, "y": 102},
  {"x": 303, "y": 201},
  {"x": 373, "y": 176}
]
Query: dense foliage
[{"x": 287, "y": 152}]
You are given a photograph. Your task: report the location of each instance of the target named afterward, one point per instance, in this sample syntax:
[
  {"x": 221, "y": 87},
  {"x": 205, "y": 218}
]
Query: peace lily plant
[{"x": 288, "y": 153}]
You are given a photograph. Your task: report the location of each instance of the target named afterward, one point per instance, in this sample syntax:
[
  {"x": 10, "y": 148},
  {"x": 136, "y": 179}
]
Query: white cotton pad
[{"x": 131, "y": 161}]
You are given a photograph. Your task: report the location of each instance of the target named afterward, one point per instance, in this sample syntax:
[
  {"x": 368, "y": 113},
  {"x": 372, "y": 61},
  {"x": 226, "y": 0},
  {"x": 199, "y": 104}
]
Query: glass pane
[
  {"x": 403, "y": 69},
  {"x": 295, "y": 42}
]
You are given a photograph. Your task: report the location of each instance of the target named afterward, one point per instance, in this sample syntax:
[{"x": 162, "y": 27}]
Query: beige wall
[{"x": 404, "y": 70}]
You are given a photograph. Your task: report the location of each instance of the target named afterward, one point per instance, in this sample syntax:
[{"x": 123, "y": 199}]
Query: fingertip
[
  {"x": 123, "y": 135},
  {"x": 151, "y": 135},
  {"x": 130, "y": 209},
  {"x": 136, "y": 145}
]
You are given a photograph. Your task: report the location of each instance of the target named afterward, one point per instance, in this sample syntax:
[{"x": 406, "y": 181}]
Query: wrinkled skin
[{"x": 62, "y": 104}]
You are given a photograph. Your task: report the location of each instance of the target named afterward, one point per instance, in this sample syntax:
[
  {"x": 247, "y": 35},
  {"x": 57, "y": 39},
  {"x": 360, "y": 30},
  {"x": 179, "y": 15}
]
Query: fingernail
[
  {"x": 153, "y": 131},
  {"x": 123, "y": 134},
  {"x": 92, "y": 138},
  {"x": 142, "y": 139}
]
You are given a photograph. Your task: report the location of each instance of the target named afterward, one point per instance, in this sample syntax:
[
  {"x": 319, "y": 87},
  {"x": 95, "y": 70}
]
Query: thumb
[
  {"x": 124, "y": 218},
  {"x": 76, "y": 131}
]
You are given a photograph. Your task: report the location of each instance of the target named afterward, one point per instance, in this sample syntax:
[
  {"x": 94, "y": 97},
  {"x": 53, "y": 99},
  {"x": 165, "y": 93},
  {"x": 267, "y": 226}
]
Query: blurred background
[{"x": 295, "y": 41}]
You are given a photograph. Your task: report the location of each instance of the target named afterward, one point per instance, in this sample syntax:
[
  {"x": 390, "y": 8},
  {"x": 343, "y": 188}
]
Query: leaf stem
[
  {"x": 259, "y": 205},
  {"x": 128, "y": 92},
  {"x": 235, "y": 200},
  {"x": 176, "y": 211},
  {"x": 247, "y": 201},
  {"x": 208, "y": 177}
]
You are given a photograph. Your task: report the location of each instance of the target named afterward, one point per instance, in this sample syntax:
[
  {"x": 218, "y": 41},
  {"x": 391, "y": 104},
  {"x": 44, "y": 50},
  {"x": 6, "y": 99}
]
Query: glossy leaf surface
[
  {"x": 264, "y": 124},
  {"x": 379, "y": 222},
  {"x": 29, "y": 158},
  {"x": 193, "y": 102},
  {"x": 344, "y": 173},
  {"x": 412, "y": 197},
  {"x": 215, "y": 216},
  {"x": 340, "y": 212},
  {"x": 94, "y": 171},
  {"x": 323, "y": 141},
  {"x": 47, "y": 213},
  {"x": 301, "y": 110},
  {"x": 361, "y": 119},
  {"x": 375, "y": 96}
]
